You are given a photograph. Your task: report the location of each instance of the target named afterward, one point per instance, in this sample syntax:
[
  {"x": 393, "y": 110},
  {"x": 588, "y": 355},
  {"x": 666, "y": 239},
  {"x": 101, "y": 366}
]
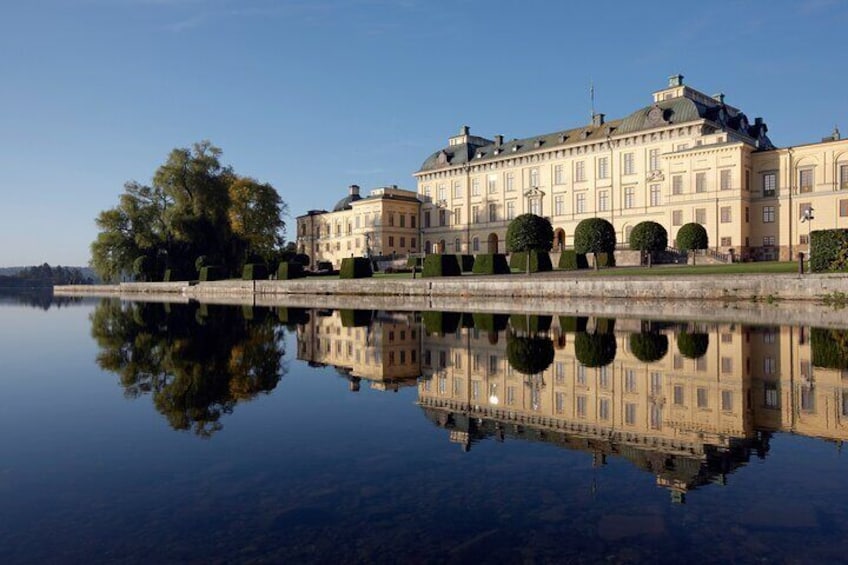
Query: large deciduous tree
[{"x": 195, "y": 206}]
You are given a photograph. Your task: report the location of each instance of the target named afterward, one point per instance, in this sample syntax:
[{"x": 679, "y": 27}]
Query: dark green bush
[
  {"x": 571, "y": 324},
  {"x": 529, "y": 231},
  {"x": 356, "y": 318},
  {"x": 441, "y": 322},
  {"x": 491, "y": 322},
  {"x": 413, "y": 262},
  {"x": 301, "y": 258},
  {"x": 254, "y": 272},
  {"x": 212, "y": 273},
  {"x": 594, "y": 235},
  {"x": 570, "y": 260},
  {"x": 436, "y": 265},
  {"x": 355, "y": 268},
  {"x": 648, "y": 236},
  {"x": 648, "y": 347},
  {"x": 289, "y": 271},
  {"x": 829, "y": 250},
  {"x": 693, "y": 345},
  {"x": 830, "y": 348},
  {"x": 467, "y": 320},
  {"x": 466, "y": 263},
  {"x": 324, "y": 266},
  {"x": 540, "y": 261},
  {"x": 692, "y": 236},
  {"x": 529, "y": 355},
  {"x": 490, "y": 264},
  {"x": 595, "y": 350},
  {"x": 200, "y": 262},
  {"x": 532, "y": 324}
]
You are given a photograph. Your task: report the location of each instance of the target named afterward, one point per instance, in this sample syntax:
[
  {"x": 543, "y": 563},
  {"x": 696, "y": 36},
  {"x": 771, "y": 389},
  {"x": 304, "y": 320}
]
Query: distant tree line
[{"x": 45, "y": 276}]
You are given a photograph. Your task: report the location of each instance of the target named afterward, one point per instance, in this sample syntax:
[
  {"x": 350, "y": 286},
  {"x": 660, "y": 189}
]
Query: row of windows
[
  {"x": 357, "y": 244},
  {"x": 366, "y": 220},
  {"x": 806, "y": 180}
]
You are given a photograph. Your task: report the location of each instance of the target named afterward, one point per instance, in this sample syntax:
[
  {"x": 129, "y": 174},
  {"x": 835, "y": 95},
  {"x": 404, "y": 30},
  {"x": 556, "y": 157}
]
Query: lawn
[{"x": 758, "y": 268}]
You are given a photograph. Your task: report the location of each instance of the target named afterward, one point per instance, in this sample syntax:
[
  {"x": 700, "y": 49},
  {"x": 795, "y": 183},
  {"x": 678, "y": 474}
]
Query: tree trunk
[{"x": 597, "y": 263}]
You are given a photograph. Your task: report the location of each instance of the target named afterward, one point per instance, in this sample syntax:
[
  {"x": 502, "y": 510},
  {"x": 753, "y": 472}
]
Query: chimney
[
  {"x": 675, "y": 80},
  {"x": 464, "y": 130},
  {"x": 597, "y": 120},
  {"x": 353, "y": 190},
  {"x": 498, "y": 140},
  {"x": 719, "y": 97}
]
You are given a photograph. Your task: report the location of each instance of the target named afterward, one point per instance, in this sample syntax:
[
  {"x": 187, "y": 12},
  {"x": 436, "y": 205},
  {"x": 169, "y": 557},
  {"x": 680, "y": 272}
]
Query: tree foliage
[
  {"x": 529, "y": 232},
  {"x": 692, "y": 236},
  {"x": 529, "y": 355},
  {"x": 194, "y": 206},
  {"x": 693, "y": 345},
  {"x": 648, "y": 236},
  {"x": 594, "y": 235}
]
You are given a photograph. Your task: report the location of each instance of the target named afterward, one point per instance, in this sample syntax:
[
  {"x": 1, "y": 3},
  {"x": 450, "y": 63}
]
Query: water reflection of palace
[{"x": 687, "y": 402}]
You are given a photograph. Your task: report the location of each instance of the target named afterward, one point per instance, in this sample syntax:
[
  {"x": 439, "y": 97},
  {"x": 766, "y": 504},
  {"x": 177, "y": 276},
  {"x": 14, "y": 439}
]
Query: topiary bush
[
  {"x": 570, "y": 260},
  {"x": 355, "y": 268},
  {"x": 540, "y": 261},
  {"x": 594, "y": 350},
  {"x": 532, "y": 324},
  {"x": 436, "y": 265},
  {"x": 529, "y": 355},
  {"x": 212, "y": 273},
  {"x": 289, "y": 271},
  {"x": 324, "y": 266},
  {"x": 692, "y": 236},
  {"x": 529, "y": 232},
  {"x": 829, "y": 250},
  {"x": 413, "y": 262},
  {"x": 441, "y": 323},
  {"x": 490, "y": 264},
  {"x": 571, "y": 324},
  {"x": 648, "y": 236},
  {"x": 693, "y": 345},
  {"x": 254, "y": 272},
  {"x": 594, "y": 235},
  {"x": 355, "y": 318},
  {"x": 648, "y": 347}
]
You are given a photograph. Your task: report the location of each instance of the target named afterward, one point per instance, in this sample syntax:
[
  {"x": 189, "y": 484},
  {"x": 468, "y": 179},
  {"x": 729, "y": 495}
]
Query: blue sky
[{"x": 312, "y": 96}]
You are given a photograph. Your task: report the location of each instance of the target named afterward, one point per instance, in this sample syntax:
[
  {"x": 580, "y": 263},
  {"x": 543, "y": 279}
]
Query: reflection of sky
[{"x": 315, "y": 471}]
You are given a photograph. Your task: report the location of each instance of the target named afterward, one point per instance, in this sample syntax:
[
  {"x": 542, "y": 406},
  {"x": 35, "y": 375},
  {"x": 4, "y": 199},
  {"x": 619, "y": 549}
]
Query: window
[
  {"x": 535, "y": 205},
  {"x": 402, "y": 242},
  {"x": 402, "y": 221},
  {"x": 770, "y": 184},
  {"x": 457, "y": 244},
  {"x": 629, "y": 166},
  {"x": 603, "y": 168},
  {"x": 580, "y": 375},
  {"x": 442, "y": 192},
  {"x": 702, "y": 398},
  {"x": 768, "y": 365},
  {"x": 412, "y": 221},
  {"x": 457, "y": 216},
  {"x": 700, "y": 182},
  {"x": 475, "y": 244},
  {"x": 843, "y": 208},
  {"x": 805, "y": 180},
  {"x": 475, "y": 214},
  {"x": 726, "y": 363},
  {"x": 443, "y": 218},
  {"x": 581, "y": 406},
  {"x": 804, "y": 239},
  {"x": 493, "y": 212},
  {"x": 559, "y": 176},
  {"x": 656, "y": 195},
  {"x": 678, "y": 395},
  {"x": 510, "y": 182},
  {"x": 580, "y": 204},
  {"x": 534, "y": 177},
  {"x": 603, "y": 201},
  {"x": 559, "y": 402},
  {"x": 558, "y": 205},
  {"x": 727, "y": 400},
  {"x": 682, "y": 146},
  {"x": 629, "y": 192},
  {"x": 768, "y": 240},
  {"x": 492, "y": 184},
  {"x": 630, "y": 380},
  {"x": 771, "y": 395},
  {"x": 804, "y": 209},
  {"x": 510, "y": 210},
  {"x": 677, "y": 184},
  {"x": 457, "y": 190},
  {"x": 701, "y": 215},
  {"x": 630, "y": 413},
  {"x": 412, "y": 242},
  {"x": 724, "y": 179},
  {"x": 843, "y": 177},
  {"x": 580, "y": 171},
  {"x": 726, "y": 242},
  {"x": 603, "y": 409},
  {"x": 677, "y": 218},
  {"x": 768, "y": 214},
  {"x": 725, "y": 215},
  {"x": 654, "y": 159},
  {"x": 656, "y": 417},
  {"x": 656, "y": 383},
  {"x": 427, "y": 190}
]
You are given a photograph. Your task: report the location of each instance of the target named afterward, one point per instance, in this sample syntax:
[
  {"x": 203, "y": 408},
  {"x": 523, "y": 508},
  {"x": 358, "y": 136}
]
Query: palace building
[{"x": 686, "y": 157}]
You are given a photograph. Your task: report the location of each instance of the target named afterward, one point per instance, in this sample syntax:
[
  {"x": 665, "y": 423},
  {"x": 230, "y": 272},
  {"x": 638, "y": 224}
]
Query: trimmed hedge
[
  {"x": 355, "y": 318},
  {"x": 530, "y": 324},
  {"x": 829, "y": 250},
  {"x": 289, "y": 271},
  {"x": 413, "y": 262},
  {"x": 571, "y": 324},
  {"x": 529, "y": 355},
  {"x": 570, "y": 260},
  {"x": 491, "y": 264},
  {"x": 648, "y": 347},
  {"x": 254, "y": 272},
  {"x": 441, "y": 322},
  {"x": 466, "y": 263},
  {"x": 324, "y": 266},
  {"x": 355, "y": 268},
  {"x": 830, "y": 348},
  {"x": 467, "y": 321},
  {"x": 436, "y": 265},
  {"x": 693, "y": 345},
  {"x": 491, "y": 322},
  {"x": 692, "y": 236},
  {"x": 540, "y": 261},
  {"x": 212, "y": 273}
]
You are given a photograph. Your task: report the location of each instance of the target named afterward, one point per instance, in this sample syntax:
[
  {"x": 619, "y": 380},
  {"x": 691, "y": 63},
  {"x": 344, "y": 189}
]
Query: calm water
[{"x": 138, "y": 432}]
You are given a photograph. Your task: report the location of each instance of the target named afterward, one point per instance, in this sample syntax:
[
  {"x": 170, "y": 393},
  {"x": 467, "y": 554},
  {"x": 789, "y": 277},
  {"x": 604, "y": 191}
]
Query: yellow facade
[
  {"x": 687, "y": 157},
  {"x": 383, "y": 224}
]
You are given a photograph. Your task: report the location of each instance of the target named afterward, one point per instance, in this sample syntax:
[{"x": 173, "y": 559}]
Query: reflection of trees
[
  {"x": 529, "y": 355},
  {"x": 693, "y": 345},
  {"x": 830, "y": 348},
  {"x": 648, "y": 347},
  {"x": 596, "y": 349},
  {"x": 197, "y": 363}
]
